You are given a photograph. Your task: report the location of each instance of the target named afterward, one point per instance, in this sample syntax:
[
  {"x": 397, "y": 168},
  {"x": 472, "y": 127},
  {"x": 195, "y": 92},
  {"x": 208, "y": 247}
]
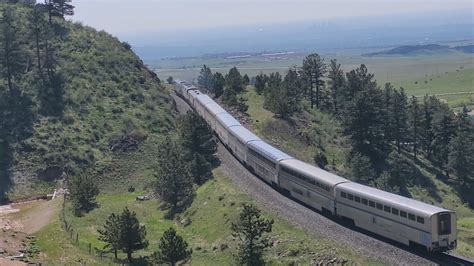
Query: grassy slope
[
  {"x": 214, "y": 209},
  {"x": 108, "y": 92},
  {"x": 325, "y": 129},
  {"x": 212, "y": 212}
]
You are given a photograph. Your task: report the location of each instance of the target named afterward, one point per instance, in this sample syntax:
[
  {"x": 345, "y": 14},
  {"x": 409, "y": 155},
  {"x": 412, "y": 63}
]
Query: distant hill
[{"x": 423, "y": 50}]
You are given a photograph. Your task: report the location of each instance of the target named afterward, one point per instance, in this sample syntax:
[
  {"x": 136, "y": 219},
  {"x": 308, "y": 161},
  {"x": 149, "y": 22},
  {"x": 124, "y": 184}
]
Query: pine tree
[
  {"x": 205, "y": 78},
  {"x": 314, "y": 69},
  {"x": 83, "y": 192},
  {"x": 400, "y": 117},
  {"x": 443, "y": 131},
  {"x": 250, "y": 230},
  {"x": 361, "y": 168},
  {"x": 200, "y": 169},
  {"x": 38, "y": 28},
  {"x": 174, "y": 183},
  {"x": 58, "y": 8},
  {"x": 461, "y": 152},
  {"x": 415, "y": 118},
  {"x": 388, "y": 115},
  {"x": 358, "y": 80},
  {"x": 246, "y": 80},
  {"x": 430, "y": 106},
  {"x": 172, "y": 249},
  {"x": 260, "y": 82},
  {"x": 132, "y": 234},
  {"x": 336, "y": 83},
  {"x": 12, "y": 56},
  {"x": 364, "y": 121},
  {"x": 197, "y": 137},
  {"x": 233, "y": 86},
  {"x": 282, "y": 97},
  {"x": 218, "y": 84},
  {"x": 110, "y": 233}
]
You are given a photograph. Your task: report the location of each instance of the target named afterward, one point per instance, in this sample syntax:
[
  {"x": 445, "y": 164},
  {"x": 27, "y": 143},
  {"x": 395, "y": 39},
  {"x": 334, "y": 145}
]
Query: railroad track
[{"x": 429, "y": 258}]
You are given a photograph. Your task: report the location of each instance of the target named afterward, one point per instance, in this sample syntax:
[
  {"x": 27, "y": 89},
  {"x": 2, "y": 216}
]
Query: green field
[
  {"x": 449, "y": 73},
  {"x": 212, "y": 212}
]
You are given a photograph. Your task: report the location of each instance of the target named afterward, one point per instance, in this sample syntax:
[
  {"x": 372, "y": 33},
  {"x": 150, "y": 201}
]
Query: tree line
[
  {"x": 29, "y": 62},
  {"x": 382, "y": 123}
]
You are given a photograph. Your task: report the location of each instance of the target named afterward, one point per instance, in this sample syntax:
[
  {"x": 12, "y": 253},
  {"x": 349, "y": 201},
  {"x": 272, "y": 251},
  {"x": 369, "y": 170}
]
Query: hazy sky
[{"x": 132, "y": 16}]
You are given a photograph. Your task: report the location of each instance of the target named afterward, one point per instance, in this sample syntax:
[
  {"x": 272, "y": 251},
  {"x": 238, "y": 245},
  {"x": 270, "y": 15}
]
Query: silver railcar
[
  {"x": 309, "y": 184},
  {"x": 401, "y": 219},
  {"x": 224, "y": 122},
  {"x": 263, "y": 159},
  {"x": 212, "y": 109},
  {"x": 239, "y": 136}
]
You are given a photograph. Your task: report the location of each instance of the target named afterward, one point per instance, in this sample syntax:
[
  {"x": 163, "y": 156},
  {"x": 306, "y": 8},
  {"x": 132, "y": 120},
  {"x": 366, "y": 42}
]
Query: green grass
[{"x": 215, "y": 207}]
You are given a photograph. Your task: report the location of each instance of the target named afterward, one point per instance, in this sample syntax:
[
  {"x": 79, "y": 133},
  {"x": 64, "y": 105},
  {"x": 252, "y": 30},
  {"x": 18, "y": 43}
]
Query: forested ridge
[{"x": 70, "y": 97}]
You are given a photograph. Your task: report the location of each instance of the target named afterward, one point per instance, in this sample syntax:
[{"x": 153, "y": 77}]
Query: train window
[
  {"x": 343, "y": 194},
  {"x": 371, "y": 204},
  {"x": 357, "y": 199},
  {"x": 364, "y": 201},
  {"x": 350, "y": 196},
  {"x": 394, "y": 211},
  {"x": 403, "y": 214},
  {"x": 411, "y": 216},
  {"x": 379, "y": 206},
  {"x": 386, "y": 208},
  {"x": 419, "y": 219}
]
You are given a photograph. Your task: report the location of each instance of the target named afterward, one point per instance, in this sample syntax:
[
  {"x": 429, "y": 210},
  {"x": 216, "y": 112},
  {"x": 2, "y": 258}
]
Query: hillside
[
  {"x": 314, "y": 131},
  {"x": 109, "y": 101},
  {"x": 427, "y": 49}
]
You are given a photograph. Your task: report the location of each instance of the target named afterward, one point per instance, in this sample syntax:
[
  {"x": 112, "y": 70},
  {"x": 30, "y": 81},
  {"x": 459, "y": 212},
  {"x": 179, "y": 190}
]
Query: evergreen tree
[
  {"x": 197, "y": 137},
  {"x": 170, "y": 80},
  {"x": 132, "y": 236},
  {"x": 430, "y": 106},
  {"x": 205, "y": 78},
  {"x": 233, "y": 86},
  {"x": 461, "y": 152},
  {"x": 388, "y": 115},
  {"x": 12, "y": 56},
  {"x": 401, "y": 170},
  {"x": 38, "y": 28},
  {"x": 174, "y": 183},
  {"x": 336, "y": 83},
  {"x": 58, "y": 8},
  {"x": 361, "y": 168},
  {"x": 314, "y": 69},
  {"x": 400, "y": 117},
  {"x": 246, "y": 80},
  {"x": 260, "y": 81},
  {"x": 200, "y": 169},
  {"x": 110, "y": 233},
  {"x": 250, "y": 230},
  {"x": 83, "y": 192},
  {"x": 358, "y": 80},
  {"x": 218, "y": 84},
  {"x": 443, "y": 131},
  {"x": 364, "y": 121},
  {"x": 282, "y": 97},
  {"x": 415, "y": 118},
  {"x": 172, "y": 249}
]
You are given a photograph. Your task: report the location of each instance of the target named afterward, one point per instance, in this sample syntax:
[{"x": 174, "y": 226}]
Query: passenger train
[{"x": 401, "y": 219}]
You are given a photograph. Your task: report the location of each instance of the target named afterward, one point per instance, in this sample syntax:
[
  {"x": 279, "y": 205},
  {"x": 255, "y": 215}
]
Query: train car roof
[
  {"x": 393, "y": 199},
  {"x": 214, "y": 108},
  {"x": 314, "y": 172},
  {"x": 227, "y": 120},
  {"x": 204, "y": 99},
  {"x": 243, "y": 134},
  {"x": 269, "y": 151}
]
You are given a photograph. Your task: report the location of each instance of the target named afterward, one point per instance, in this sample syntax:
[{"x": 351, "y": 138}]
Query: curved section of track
[{"x": 362, "y": 242}]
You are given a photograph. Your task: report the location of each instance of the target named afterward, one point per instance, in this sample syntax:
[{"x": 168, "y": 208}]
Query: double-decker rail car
[
  {"x": 211, "y": 111},
  {"x": 401, "y": 219},
  {"x": 238, "y": 139},
  {"x": 223, "y": 124},
  {"x": 395, "y": 217},
  {"x": 309, "y": 184},
  {"x": 263, "y": 160}
]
